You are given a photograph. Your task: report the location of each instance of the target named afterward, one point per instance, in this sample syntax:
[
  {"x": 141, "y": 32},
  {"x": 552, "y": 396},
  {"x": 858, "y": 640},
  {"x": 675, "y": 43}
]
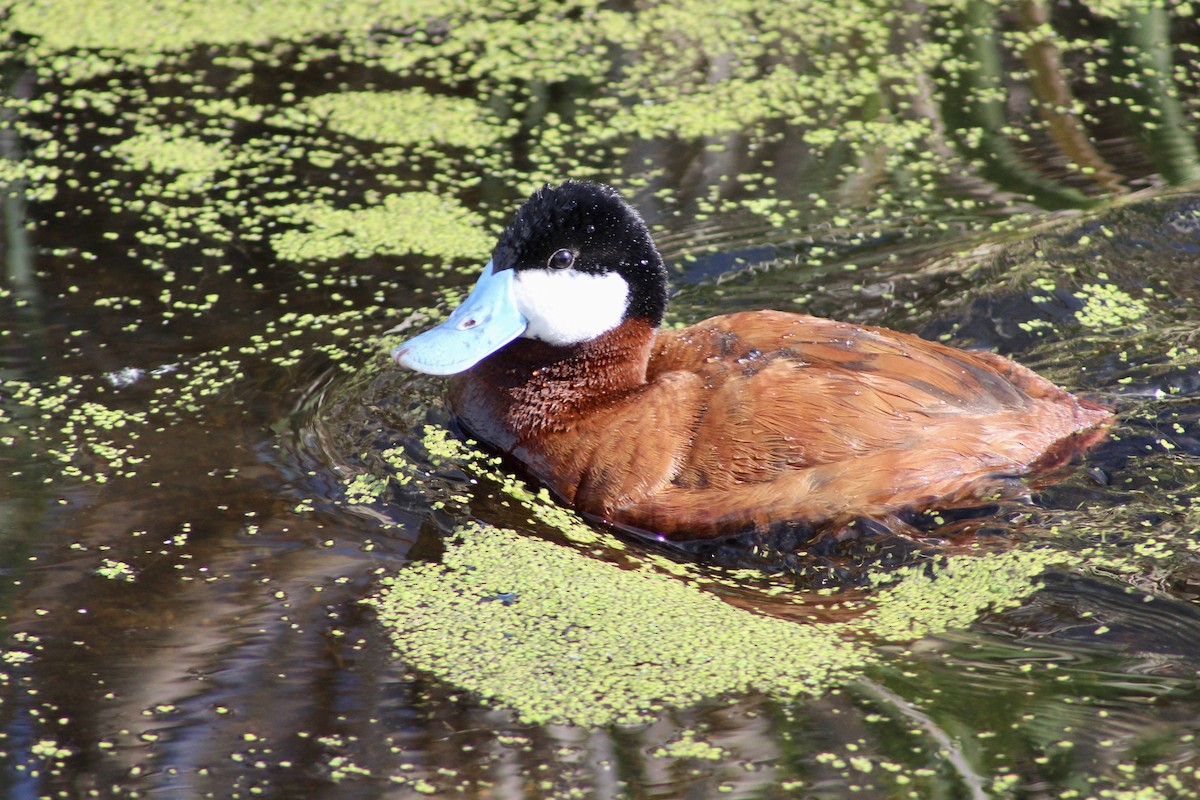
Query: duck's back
[{"x": 798, "y": 417}]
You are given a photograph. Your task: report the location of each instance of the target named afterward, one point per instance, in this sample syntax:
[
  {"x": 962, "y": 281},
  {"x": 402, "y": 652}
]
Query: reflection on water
[{"x": 206, "y": 463}]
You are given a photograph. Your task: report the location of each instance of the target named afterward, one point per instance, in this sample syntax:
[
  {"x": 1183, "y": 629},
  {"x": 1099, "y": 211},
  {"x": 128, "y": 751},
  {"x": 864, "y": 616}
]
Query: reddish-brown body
[{"x": 753, "y": 418}]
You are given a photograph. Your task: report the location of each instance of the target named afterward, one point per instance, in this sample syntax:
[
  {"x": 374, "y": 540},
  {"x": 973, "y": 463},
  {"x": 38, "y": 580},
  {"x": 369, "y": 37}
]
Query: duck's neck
[{"x": 533, "y": 386}]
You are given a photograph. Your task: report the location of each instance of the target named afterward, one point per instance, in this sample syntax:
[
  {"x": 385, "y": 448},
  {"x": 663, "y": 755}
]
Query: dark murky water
[{"x": 185, "y": 413}]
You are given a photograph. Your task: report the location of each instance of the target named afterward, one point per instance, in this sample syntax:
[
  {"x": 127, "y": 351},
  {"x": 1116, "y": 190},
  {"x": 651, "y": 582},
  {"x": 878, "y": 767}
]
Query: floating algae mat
[
  {"x": 558, "y": 636},
  {"x": 206, "y": 461}
]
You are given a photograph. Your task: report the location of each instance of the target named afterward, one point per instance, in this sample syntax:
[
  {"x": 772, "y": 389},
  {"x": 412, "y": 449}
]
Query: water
[{"x": 195, "y": 430}]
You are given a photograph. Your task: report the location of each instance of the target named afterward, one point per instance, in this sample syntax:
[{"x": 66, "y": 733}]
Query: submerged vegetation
[{"x": 213, "y": 211}]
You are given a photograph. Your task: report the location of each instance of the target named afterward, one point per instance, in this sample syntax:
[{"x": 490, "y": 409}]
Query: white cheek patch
[{"x": 567, "y": 306}]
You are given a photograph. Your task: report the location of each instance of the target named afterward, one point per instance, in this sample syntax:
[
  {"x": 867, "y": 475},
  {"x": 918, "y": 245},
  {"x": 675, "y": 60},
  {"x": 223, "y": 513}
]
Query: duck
[{"x": 733, "y": 424}]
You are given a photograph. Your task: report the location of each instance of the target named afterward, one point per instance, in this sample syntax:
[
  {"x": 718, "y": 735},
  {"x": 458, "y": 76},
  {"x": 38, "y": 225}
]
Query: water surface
[{"x": 207, "y": 463}]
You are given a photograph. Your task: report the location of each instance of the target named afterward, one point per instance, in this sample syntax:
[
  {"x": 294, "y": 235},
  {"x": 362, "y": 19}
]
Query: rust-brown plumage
[
  {"x": 752, "y": 418},
  {"x": 738, "y": 422}
]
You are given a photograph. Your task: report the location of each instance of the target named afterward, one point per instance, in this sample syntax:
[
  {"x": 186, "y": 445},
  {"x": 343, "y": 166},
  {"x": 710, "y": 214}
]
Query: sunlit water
[{"x": 184, "y": 604}]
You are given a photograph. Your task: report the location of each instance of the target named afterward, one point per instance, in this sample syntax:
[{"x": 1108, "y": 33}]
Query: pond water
[{"x": 243, "y": 555}]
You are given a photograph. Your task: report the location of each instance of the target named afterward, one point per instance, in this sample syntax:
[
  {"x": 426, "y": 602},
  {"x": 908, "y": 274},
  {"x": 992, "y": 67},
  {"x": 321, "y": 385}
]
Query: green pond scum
[
  {"x": 560, "y": 637},
  {"x": 243, "y": 555}
]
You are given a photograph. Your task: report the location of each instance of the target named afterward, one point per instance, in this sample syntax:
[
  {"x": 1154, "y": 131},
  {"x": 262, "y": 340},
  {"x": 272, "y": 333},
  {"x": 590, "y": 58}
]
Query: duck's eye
[{"x": 561, "y": 260}]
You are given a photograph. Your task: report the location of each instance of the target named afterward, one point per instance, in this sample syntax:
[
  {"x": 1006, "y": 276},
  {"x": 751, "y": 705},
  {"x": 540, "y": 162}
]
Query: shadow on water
[{"x": 207, "y": 463}]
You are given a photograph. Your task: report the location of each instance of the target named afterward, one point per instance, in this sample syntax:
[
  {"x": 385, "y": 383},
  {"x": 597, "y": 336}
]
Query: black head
[{"x": 589, "y": 228}]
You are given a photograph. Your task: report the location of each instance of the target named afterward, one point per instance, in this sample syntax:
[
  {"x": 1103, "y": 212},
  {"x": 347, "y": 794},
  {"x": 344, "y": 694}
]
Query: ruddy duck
[{"x": 737, "y": 422}]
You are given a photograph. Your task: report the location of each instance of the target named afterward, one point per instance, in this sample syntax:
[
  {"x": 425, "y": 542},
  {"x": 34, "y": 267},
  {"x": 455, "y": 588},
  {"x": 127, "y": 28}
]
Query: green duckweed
[
  {"x": 419, "y": 222},
  {"x": 558, "y": 636}
]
